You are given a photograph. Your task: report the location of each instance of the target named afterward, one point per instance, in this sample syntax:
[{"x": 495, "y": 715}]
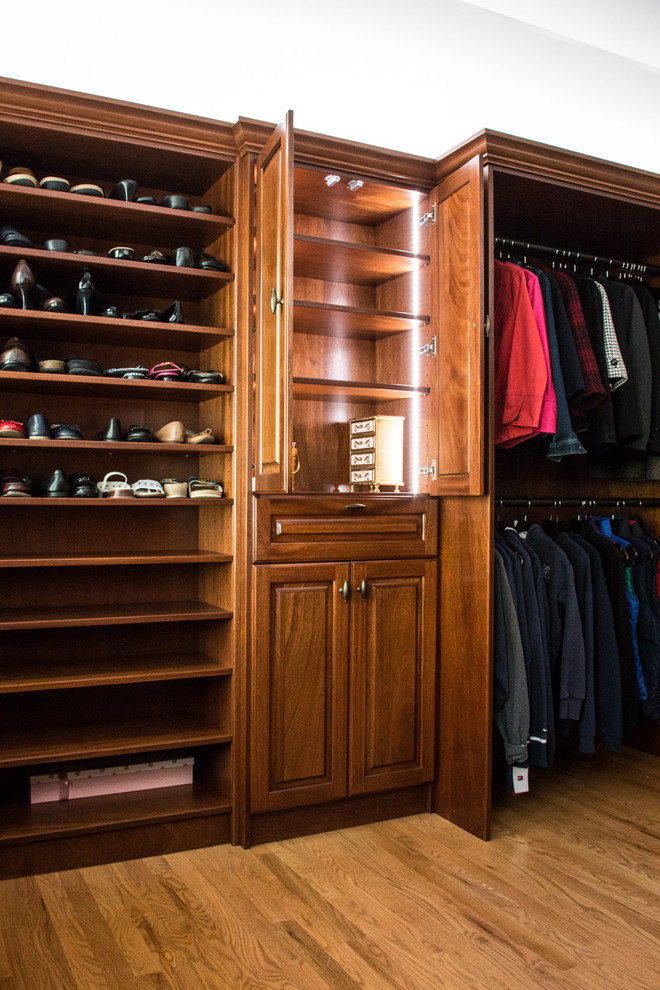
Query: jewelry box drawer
[{"x": 343, "y": 527}]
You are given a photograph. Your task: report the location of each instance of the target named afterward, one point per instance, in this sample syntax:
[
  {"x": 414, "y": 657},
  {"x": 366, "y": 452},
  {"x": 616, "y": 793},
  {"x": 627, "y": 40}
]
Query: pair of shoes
[
  {"x": 21, "y": 176},
  {"x": 53, "y": 366},
  {"x": 13, "y": 484},
  {"x": 174, "y": 488},
  {"x": 11, "y": 428},
  {"x": 23, "y": 283},
  {"x": 148, "y": 488},
  {"x": 166, "y": 371},
  {"x": 201, "y": 488},
  {"x": 172, "y": 314},
  {"x": 10, "y": 237},
  {"x": 115, "y": 489},
  {"x": 174, "y": 432},
  {"x": 80, "y": 366},
  {"x": 203, "y": 377},
  {"x": 15, "y": 356},
  {"x": 112, "y": 432},
  {"x": 135, "y": 372},
  {"x": 204, "y": 436},
  {"x": 210, "y": 264},
  {"x": 57, "y": 485},
  {"x": 139, "y": 434},
  {"x": 64, "y": 431},
  {"x": 83, "y": 486},
  {"x": 37, "y": 428}
]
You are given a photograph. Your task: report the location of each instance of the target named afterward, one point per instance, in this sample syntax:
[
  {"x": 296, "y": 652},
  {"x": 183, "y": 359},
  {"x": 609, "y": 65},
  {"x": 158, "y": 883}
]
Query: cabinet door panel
[
  {"x": 392, "y": 674},
  {"x": 274, "y": 310},
  {"x": 299, "y": 686},
  {"x": 453, "y": 428}
]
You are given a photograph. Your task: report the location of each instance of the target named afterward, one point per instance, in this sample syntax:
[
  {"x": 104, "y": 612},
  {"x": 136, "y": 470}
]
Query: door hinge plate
[
  {"x": 428, "y": 350},
  {"x": 428, "y": 218},
  {"x": 428, "y": 471}
]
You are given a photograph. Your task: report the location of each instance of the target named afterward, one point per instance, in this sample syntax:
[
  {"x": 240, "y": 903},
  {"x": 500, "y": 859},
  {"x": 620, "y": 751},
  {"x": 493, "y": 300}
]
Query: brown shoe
[
  {"x": 15, "y": 356},
  {"x": 174, "y": 432},
  {"x": 205, "y": 436}
]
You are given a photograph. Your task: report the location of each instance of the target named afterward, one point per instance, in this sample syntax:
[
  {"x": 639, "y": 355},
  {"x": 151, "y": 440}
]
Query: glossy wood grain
[
  {"x": 38, "y": 674},
  {"x": 96, "y": 385},
  {"x": 114, "y": 558},
  {"x": 351, "y": 321},
  {"x": 332, "y": 391},
  {"x": 565, "y": 894},
  {"x": 53, "y": 617},
  {"x": 372, "y": 203},
  {"x": 334, "y": 261}
]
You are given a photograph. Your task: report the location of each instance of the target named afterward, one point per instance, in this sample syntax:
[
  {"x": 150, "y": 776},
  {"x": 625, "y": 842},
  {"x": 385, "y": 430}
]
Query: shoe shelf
[
  {"x": 91, "y": 329},
  {"x": 325, "y": 390},
  {"x": 114, "y": 559},
  {"x": 58, "y": 819},
  {"x": 107, "y": 503},
  {"x": 72, "y": 616},
  {"x": 352, "y": 321},
  {"x": 71, "y": 212},
  {"x": 97, "y": 386},
  {"x": 50, "y": 744},
  {"x": 40, "y": 675},
  {"x": 167, "y": 281},
  {"x": 358, "y": 264},
  {"x": 372, "y": 204},
  {"x": 120, "y": 446}
]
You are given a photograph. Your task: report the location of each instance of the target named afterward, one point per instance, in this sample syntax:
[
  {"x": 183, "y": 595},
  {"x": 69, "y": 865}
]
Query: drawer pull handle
[
  {"x": 356, "y": 505},
  {"x": 345, "y": 591},
  {"x": 362, "y": 588},
  {"x": 274, "y": 301}
]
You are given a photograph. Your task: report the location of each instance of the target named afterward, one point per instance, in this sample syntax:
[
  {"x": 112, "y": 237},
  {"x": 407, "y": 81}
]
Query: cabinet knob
[
  {"x": 356, "y": 505},
  {"x": 274, "y": 301},
  {"x": 362, "y": 588},
  {"x": 345, "y": 591}
]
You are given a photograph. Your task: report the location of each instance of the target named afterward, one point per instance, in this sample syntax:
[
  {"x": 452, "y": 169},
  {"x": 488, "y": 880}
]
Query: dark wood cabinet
[{"x": 343, "y": 691}]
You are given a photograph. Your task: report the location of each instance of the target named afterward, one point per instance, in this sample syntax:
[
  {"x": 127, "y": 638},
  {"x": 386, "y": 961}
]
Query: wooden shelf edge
[
  {"x": 110, "y": 615},
  {"x": 125, "y": 503},
  {"x": 38, "y": 675},
  {"x": 114, "y": 559},
  {"x": 101, "y": 384},
  {"x": 330, "y": 244},
  {"x": 119, "y": 446},
  {"x": 325, "y": 390}
]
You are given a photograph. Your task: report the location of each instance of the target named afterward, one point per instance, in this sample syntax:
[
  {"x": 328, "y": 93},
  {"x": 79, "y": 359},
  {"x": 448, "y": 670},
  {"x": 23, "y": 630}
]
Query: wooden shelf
[
  {"x": 42, "y": 674},
  {"x": 351, "y": 321},
  {"x": 99, "y": 386},
  {"x": 372, "y": 204},
  {"x": 119, "y": 447},
  {"x": 74, "y": 616},
  {"x": 30, "y": 323},
  {"x": 107, "y": 503},
  {"x": 50, "y": 744},
  {"x": 126, "y": 277},
  {"x": 71, "y": 213},
  {"x": 324, "y": 390},
  {"x": 22, "y": 822},
  {"x": 114, "y": 559},
  {"x": 357, "y": 264}
]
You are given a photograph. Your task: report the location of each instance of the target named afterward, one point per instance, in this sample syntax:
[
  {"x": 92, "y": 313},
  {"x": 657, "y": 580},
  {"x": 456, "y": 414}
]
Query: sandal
[
  {"x": 204, "y": 377},
  {"x": 199, "y": 488},
  {"x": 115, "y": 489},
  {"x": 174, "y": 488},
  {"x": 205, "y": 436},
  {"x": 166, "y": 371},
  {"x": 148, "y": 488}
]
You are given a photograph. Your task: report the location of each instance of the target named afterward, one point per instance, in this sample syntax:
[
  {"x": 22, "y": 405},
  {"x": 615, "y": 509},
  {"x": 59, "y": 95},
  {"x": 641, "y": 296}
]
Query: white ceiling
[{"x": 415, "y": 75}]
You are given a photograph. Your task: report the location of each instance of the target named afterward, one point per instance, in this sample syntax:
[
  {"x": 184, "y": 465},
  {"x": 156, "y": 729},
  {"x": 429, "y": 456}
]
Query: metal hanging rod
[
  {"x": 577, "y": 503},
  {"x": 562, "y": 255}
]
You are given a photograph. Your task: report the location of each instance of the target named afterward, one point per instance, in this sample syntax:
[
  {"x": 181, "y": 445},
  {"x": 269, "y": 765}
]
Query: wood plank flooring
[{"x": 565, "y": 895}]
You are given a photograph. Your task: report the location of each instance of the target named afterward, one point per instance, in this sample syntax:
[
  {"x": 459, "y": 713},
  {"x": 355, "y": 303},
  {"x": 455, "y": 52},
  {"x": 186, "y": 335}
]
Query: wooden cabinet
[
  {"x": 343, "y": 698},
  {"x": 117, "y": 631}
]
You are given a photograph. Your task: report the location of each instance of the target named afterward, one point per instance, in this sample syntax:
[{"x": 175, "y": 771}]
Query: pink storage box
[{"x": 67, "y": 786}]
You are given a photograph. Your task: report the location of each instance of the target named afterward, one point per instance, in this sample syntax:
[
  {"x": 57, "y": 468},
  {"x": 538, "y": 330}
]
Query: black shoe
[
  {"x": 79, "y": 366},
  {"x": 56, "y": 183},
  {"x": 140, "y": 434},
  {"x": 56, "y": 485},
  {"x": 135, "y": 372},
  {"x": 173, "y": 314},
  {"x": 156, "y": 258},
  {"x": 176, "y": 202},
  {"x": 111, "y": 313},
  {"x": 210, "y": 264},
  {"x": 37, "y": 428},
  {"x": 53, "y": 305},
  {"x": 183, "y": 257},
  {"x": 63, "y": 431},
  {"x": 85, "y": 294},
  {"x": 124, "y": 190},
  {"x": 112, "y": 431},
  {"x": 147, "y": 200},
  {"x": 7, "y": 300},
  {"x": 83, "y": 486},
  {"x": 11, "y": 237},
  {"x": 56, "y": 244}
]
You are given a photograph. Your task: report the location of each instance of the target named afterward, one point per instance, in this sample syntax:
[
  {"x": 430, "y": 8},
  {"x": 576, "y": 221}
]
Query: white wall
[{"x": 415, "y": 75}]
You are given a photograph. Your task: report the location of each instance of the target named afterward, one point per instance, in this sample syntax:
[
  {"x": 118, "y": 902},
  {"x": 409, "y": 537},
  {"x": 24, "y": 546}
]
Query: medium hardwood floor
[{"x": 565, "y": 895}]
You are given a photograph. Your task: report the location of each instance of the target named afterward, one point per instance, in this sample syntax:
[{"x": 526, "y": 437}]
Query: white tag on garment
[{"x": 520, "y": 780}]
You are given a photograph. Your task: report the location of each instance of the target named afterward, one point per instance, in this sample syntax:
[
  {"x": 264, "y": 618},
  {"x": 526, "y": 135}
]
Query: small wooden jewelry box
[{"x": 376, "y": 452}]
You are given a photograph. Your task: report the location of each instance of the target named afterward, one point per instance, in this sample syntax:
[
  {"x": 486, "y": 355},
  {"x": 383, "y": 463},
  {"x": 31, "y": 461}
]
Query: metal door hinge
[
  {"x": 428, "y": 350},
  {"x": 428, "y": 470},
  {"x": 428, "y": 218}
]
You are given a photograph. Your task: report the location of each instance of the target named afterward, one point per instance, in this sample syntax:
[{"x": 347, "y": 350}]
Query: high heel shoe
[
  {"x": 85, "y": 294},
  {"x": 173, "y": 314},
  {"x": 23, "y": 282}
]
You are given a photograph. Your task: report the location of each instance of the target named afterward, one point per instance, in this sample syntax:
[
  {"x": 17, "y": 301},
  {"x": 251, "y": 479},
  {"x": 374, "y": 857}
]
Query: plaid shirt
[
  {"x": 594, "y": 390},
  {"x": 616, "y": 369}
]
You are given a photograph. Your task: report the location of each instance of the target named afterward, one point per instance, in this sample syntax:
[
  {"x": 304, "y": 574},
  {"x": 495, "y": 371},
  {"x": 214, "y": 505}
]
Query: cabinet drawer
[{"x": 342, "y": 527}]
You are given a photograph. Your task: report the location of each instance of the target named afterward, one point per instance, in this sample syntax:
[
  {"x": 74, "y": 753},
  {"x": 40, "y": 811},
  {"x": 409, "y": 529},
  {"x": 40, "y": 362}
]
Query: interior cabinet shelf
[
  {"x": 43, "y": 675},
  {"x": 352, "y": 321},
  {"x": 24, "y": 822},
  {"x": 99, "y": 386},
  {"x": 114, "y": 559},
  {"x": 324, "y": 390},
  {"x": 120, "y": 446},
  {"x": 89, "y": 329},
  {"x": 114, "y": 503},
  {"x": 357, "y": 264},
  {"x": 73, "y": 616},
  {"x": 49, "y": 744},
  {"x": 65, "y": 212},
  {"x": 168, "y": 281},
  {"x": 372, "y": 204}
]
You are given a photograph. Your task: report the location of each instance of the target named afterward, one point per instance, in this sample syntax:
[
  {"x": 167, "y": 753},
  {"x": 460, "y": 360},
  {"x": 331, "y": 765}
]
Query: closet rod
[
  {"x": 577, "y": 503},
  {"x": 632, "y": 267}
]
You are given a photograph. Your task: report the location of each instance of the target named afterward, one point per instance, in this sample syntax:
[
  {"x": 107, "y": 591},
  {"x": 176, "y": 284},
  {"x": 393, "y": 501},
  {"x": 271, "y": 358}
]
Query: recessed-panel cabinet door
[
  {"x": 392, "y": 689},
  {"x": 299, "y": 718},
  {"x": 454, "y": 413},
  {"x": 274, "y": 310}
]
